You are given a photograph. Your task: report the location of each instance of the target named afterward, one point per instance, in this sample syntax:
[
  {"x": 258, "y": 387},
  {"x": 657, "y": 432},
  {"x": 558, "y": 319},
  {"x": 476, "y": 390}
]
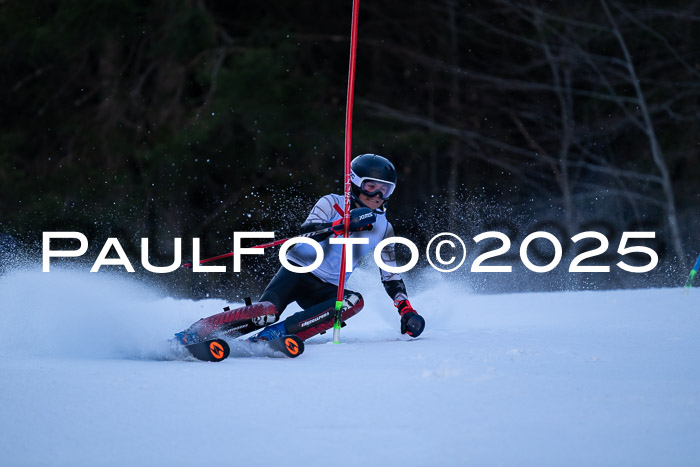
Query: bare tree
[
  {"x": 648, "y": 128},
  {"x": 571, "y": 98}
]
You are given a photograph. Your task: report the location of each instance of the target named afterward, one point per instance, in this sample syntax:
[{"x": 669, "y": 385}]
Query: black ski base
[
  {"x": 216, "y": 350},
  {"x": 212, "y": 350},
  {"x": 292, "y": 346}
]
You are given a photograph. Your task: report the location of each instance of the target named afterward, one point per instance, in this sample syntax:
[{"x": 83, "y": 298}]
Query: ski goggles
[{"x": 372, "y": 187}]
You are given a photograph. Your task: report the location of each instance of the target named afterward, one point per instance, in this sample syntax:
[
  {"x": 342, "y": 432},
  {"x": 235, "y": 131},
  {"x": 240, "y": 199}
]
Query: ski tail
[
  {"x": 212, "y": 350},
  {"x": 292, "y": 346}
]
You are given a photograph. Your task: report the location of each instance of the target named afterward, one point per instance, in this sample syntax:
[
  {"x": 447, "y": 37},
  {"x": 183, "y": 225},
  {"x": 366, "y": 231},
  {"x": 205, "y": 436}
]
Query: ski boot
[{"x": 272, "y": 332}]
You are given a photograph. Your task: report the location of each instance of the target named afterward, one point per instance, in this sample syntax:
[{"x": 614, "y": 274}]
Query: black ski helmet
[{"x": 371, "y": 167}]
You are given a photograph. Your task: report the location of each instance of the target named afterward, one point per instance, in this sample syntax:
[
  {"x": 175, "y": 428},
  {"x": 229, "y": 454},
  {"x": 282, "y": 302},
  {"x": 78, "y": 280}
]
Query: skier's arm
[
  {"x": 411, "y": 322},
  {"x": 314, "y": 226},
  {"x": 396, "y": 289},
  {"x": 320, "y": 218},
  {"x": 393, "y": 283},
  {"x": 324, "y": 210}
]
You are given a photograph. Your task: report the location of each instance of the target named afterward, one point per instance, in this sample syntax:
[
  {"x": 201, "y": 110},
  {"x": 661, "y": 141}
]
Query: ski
[
  {"x": 217, "y": 350},
  {"x": 211, "y": 339}
]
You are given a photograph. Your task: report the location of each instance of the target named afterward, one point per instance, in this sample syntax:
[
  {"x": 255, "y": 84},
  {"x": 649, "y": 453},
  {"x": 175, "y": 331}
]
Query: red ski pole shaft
[
  {"x": 268, "y": 245},
  {"x": 228, "y": 255}
]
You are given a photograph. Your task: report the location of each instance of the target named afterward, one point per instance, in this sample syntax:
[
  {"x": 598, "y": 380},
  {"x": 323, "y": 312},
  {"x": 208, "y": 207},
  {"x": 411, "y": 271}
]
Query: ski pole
[
  {"x": 348, "y": 134},
  {"x": 327, "y": 230},
  {"x": 692, "y": 275}
]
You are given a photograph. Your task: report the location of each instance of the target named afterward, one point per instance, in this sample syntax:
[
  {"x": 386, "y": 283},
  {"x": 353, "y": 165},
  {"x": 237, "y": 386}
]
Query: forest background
[{"x": 186, "y": 118}]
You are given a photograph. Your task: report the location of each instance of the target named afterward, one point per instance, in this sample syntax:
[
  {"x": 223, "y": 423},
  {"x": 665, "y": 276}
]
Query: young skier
[{"x": 373, "y": 181}]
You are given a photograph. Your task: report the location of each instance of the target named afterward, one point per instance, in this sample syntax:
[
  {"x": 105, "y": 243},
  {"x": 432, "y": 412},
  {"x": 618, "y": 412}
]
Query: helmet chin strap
[{"x": 380, "y": 210}]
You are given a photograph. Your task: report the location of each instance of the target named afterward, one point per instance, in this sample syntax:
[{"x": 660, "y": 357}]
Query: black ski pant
[{"x": 305, "y": 289}]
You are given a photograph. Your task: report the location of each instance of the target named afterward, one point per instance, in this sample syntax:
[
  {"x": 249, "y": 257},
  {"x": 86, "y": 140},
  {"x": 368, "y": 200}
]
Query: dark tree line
[{"x": 197, "y": 118}]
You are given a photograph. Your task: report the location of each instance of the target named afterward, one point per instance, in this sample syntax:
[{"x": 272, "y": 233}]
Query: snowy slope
[{"x": 588, "y": 378}]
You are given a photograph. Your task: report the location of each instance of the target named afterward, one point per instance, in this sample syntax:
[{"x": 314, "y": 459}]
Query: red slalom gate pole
[{"x": 348, "y": 148}]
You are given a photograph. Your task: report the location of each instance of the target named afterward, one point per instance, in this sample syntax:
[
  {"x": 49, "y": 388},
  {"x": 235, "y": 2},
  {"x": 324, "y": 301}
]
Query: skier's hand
[
  {"x": 360, "y": 219},
  {"x": 411, "y": 322}
]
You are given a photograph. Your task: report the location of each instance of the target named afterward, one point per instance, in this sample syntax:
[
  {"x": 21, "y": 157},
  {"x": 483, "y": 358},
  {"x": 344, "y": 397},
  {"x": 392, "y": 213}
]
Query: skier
[{"x": 373, "y": 180}]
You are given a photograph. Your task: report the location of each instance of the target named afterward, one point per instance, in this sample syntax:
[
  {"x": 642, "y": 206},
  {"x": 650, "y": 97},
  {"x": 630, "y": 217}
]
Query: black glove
[
  {"x": 360, "y": 219},
  {"x": 411, "y": 322}
]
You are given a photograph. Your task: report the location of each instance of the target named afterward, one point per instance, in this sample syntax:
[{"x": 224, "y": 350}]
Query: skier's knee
[
  {"x": 265, "y": 320},
  {"x": 273, "y": 297},
  {"x": 353, "y": 300},
  {"x": 270, "y": 318}
]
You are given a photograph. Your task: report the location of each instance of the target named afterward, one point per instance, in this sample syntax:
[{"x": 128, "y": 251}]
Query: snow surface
[{"x": 578, "y": 378}]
